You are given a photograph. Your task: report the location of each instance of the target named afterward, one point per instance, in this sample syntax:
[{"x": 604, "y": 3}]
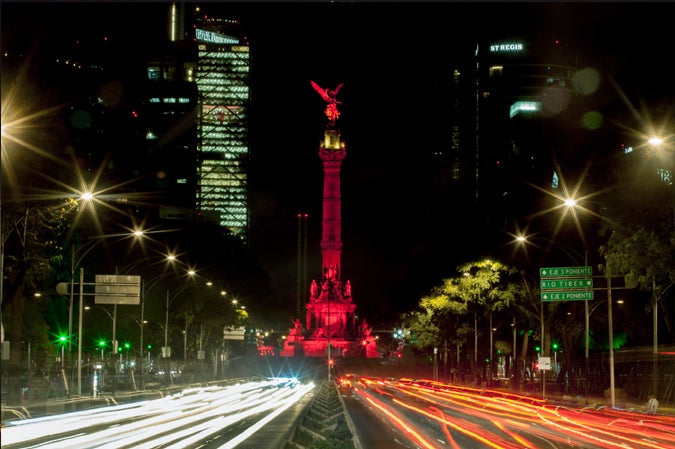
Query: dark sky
[{"x": 392, "y": 58}]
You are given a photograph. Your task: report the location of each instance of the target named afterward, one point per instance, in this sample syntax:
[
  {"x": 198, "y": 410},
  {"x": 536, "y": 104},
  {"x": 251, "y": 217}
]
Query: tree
[
  {"x": 493, "y": 287},
  {"x": 641, "y": 229},
  {"x": 483, "y": 288},
  {"x": 31, "y": 234},
  {"x": 646, "y": 258}
]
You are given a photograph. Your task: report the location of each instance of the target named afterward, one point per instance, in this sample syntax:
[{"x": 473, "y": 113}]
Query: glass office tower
[{"x": 222, "y": 78}]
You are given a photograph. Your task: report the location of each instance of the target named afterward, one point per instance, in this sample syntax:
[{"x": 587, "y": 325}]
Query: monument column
[
  {"x": 331, "y": 238},
  {"x": 330, "y": 320}
]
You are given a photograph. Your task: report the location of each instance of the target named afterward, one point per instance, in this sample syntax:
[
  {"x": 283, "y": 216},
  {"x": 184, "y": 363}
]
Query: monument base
[{"x": 340, "y": 347}]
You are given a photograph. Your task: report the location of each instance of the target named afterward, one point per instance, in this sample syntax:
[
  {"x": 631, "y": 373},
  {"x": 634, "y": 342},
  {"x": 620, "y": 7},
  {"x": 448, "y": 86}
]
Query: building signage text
[
  {"x": 214, "y": 38},
  {"x": 506, "y": 47}
]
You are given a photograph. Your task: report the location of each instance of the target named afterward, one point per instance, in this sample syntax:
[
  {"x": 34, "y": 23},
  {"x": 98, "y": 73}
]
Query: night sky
[{"x": 392, "y": 59}]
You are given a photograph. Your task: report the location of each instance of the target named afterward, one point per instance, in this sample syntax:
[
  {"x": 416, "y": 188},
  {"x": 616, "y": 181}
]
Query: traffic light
[
  {"x": 127, "y": 346},
  {"x": 101, "y": 344},
  {"x": 555, "y": 346},
  {"x": 63, "y": 340},
  {"x": 537, "y": 349}
]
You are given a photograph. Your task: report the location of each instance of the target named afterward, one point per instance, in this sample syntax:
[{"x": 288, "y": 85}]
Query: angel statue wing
[
  {"x": 329, "y": 96},
  {"x": 337, "y": 89},
  {"x": 322, "y": 92}
]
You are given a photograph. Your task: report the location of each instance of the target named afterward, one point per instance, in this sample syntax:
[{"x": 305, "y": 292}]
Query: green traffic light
[
  {"x": 537, "y": 349},
  {"x": 101, "y": 344},
  {"x": 63, "y": 339}
]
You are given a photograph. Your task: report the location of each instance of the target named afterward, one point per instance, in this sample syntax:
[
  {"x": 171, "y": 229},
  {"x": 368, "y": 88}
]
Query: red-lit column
[{"x": 331, "y": 238}]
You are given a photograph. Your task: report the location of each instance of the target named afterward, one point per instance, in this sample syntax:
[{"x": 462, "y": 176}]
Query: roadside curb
[{"x": 348, "y": 419}]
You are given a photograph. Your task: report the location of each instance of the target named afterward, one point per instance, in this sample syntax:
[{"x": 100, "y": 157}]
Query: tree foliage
[
  {"x": 483, "y": 288},
  {"x": 641, "y": 229},
  {"x": 31, "y": 237}
]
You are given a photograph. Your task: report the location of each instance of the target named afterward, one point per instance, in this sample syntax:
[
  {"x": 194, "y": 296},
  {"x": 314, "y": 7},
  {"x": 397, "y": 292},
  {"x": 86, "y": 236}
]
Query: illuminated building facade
[
  {"x": 505, "y": 97},
  {"x": 169, "y": 110},
  {"x": 521, "y": 85},
  {"x": 222, "y": 78},
  {"x": 196, "y": 102}
]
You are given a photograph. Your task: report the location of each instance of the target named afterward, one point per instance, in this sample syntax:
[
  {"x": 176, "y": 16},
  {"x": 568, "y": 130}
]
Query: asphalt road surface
[
  {"x": 428, "y": 414},
  {"x": 242, "y": 415}
]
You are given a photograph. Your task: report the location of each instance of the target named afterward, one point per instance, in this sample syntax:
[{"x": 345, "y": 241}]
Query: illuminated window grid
[{"x": 222, "y": 81}]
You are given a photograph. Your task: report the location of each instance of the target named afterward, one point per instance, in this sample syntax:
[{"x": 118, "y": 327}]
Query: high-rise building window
[
  {"x": 153, "y": 72},
  {"x": 496, "y": 71},
  {"x": 169, "y": 73}
]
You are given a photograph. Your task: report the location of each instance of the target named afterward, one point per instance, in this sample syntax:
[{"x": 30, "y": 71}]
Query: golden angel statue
[{"x": 330, "y": 97}]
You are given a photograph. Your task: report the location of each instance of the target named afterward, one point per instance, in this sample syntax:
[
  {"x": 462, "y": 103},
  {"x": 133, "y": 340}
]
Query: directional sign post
[
  {"x": 567, "y": 296},
  {"x": 566, "y": 284},
  {"x": 118, "y": 289},
  {"x": 557, "y": 284},
  {"x": 565, "y": 272}
]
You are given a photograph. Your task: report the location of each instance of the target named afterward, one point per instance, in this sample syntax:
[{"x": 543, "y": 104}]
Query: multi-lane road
[
  {"x": 384, "y": 413},
  {"x": 260, "y": 413},
  {"x": 427, "y": 414}
]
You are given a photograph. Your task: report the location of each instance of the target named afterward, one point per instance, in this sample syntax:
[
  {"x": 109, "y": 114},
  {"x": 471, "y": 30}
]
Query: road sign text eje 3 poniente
[{"x": 564, "y": 284}]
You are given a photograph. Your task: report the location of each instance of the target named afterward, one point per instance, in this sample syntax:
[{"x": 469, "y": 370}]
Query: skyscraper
[
  {"x": 520, "y": 85},
  {"x": 168, "y": 111},
  {"x": 196, "y": 104},
  {"x": 506, "y": 96},
  {"x": 222, "y": 78}
]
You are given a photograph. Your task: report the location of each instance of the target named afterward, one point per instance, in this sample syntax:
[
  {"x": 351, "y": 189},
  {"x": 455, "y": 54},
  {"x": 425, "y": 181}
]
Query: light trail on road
[
  {"x": 437, "y": 415},
  {"x": 187, "y": 419}
]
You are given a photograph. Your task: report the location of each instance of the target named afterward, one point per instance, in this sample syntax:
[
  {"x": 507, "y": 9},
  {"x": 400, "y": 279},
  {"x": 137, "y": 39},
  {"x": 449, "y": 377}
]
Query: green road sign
[
  {"x": 559, "y": 272},
  {"x": 567, "y": 296},
  {"x": 558, "y": 284}
]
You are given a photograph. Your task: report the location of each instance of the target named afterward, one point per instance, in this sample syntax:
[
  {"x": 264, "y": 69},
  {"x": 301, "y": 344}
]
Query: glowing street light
[
  {"x": 655, "y": 141},
  {"x": 570, "y": 202}
]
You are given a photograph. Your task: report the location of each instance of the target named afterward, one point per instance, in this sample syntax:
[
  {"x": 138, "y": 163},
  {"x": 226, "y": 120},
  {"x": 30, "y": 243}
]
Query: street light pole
[
  {"x": 142, "y": 317},
  {"x": 543, "y": 352},
  {"x": 79, "y": 335},
  {"x": 73, "y": 265},
  {"x": 72, "y": 287},
  {"x": 574, "y": 257},
  {"x": 166, "y": 327},
  {"x": 185, "y": 339},
  {"x": 611, "y": 342}
]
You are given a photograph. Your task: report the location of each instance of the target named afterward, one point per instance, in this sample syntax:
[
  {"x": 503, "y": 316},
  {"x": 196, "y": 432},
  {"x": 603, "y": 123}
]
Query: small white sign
[{"x": 544, "y": 363}]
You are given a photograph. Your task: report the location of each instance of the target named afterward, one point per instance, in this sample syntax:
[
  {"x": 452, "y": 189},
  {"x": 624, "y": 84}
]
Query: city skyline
[{"x": 391, "y": 59}]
